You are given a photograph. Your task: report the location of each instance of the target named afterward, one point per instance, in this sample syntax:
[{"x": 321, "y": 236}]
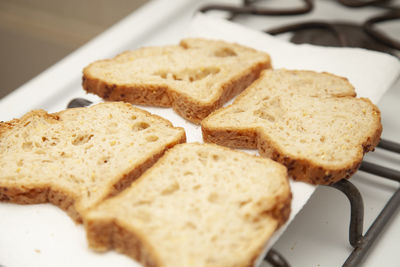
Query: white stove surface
[{"x": 318, "y": 236}]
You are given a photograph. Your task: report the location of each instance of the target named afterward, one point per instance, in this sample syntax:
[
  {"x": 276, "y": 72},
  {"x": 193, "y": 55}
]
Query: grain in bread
[
  {"x": 78, "y": 157},
  {"x": 311, "y": 122},
  {"x": 199, "y": 205},
  {"x": 194, "y": 78}
]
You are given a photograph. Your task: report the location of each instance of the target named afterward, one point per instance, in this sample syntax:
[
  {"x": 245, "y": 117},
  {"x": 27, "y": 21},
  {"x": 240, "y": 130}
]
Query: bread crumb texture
[
  {"x": 311, "y": 122},
  {"x": 195, "y": 77},
  {"x": 78, "y": 157},
  {"x": 199, "y": 205}
]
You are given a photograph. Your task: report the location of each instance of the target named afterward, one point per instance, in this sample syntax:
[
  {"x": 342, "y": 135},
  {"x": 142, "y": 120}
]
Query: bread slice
[
  {"x": 311, "y": 122},
  {"x": 199, "y": 205},
  {"x": 194, "y": 78},
  {"x": 78, "y": 157}
]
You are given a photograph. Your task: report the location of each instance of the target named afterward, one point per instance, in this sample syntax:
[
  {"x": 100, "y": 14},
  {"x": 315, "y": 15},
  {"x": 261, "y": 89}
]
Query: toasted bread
[
  {"x": 79, "y": 157},
  {"x": 199, "y": 205},
  {"x": 194, "y": 78},
  {"x": 311, "y": 122}
]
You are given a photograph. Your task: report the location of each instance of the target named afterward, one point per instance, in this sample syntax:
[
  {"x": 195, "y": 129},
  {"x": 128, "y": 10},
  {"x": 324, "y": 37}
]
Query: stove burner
[{"x": 332, "y": 34}]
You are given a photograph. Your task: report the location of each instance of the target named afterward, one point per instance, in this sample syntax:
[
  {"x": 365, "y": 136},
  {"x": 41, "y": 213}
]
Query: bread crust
[
  {"x": 301, "y": 169},
  {"x": 49, "y": 192},
  {"x": 163, "y": 95},
  {"x": 105, "y": 234},
  {"x": 38, "y": 194}
]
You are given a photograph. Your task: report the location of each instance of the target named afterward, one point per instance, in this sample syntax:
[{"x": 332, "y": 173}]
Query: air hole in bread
[
  {"x": 213, "y": 197},
  {"x": 215, "y": 157},
  {"x": 20, "y": 163},
  {"x": 144, "y": 216},
  {"x": 190, "y": 225},
  {"x": 133, "y": 117},
  {"x": 238, "y": 110},
  {"x": 244, "y": 203},
  {"x": 44, "y": 139},
  {"x": 27, "y": 146},
  {"x": 140, "y": 126},
  {"x": 151, "y": 138},
  {"x": 262, "y": 114},
  {"x": 196, "y": 187},
  {"x": 188, "y": 75},
  {"x": 225, "y": 52},
  {"x": 74, "y": 179},
  {"x": 187, "y": 173},
  {"x": 322, "y": 139},
  {"x": 143, "y": 202},
  {"x": 170, "y": 189},
  {"x": 113, "y": 125},
  {"x": 202, "y": 156},
  {"x": 82, "y": 139}
]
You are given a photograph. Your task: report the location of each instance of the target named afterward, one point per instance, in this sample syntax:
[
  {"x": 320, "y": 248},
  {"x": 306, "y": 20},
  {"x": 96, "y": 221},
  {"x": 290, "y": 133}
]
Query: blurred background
[{"x": 35, "y": 34}]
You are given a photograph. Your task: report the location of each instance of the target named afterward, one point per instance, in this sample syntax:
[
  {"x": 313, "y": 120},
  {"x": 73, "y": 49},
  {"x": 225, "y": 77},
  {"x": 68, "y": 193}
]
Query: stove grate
[{"x": 365, "y": 35}]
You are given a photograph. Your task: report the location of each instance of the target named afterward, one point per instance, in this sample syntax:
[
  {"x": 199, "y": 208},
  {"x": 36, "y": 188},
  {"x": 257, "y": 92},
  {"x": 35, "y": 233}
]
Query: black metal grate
[
  {"x": 364, "y": 35},
  {"x": 362, "y": 243},
  {"x": 247, "y": 8}
]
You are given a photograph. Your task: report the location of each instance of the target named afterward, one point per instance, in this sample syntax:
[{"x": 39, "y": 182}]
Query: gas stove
[{"x": 319, "y": 235}]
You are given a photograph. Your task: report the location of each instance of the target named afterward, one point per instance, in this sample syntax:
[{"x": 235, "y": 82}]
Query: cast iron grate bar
[
  {"x": 389, "y": 145},
  {"x": 361, "y": 243},
  {"x": 373, "y": 232},
  {"x": 274, "y": 258},
  {"x": 380, "y": 171},
  {"x": 79, "y": 103},
  {"x": 249, "y": 9},
  {"x": 356, "y": 210},
  {"x": 315, "y": 24},
  {"x": 378, "y": 34},
  {"x": 360, "y": 3}
]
